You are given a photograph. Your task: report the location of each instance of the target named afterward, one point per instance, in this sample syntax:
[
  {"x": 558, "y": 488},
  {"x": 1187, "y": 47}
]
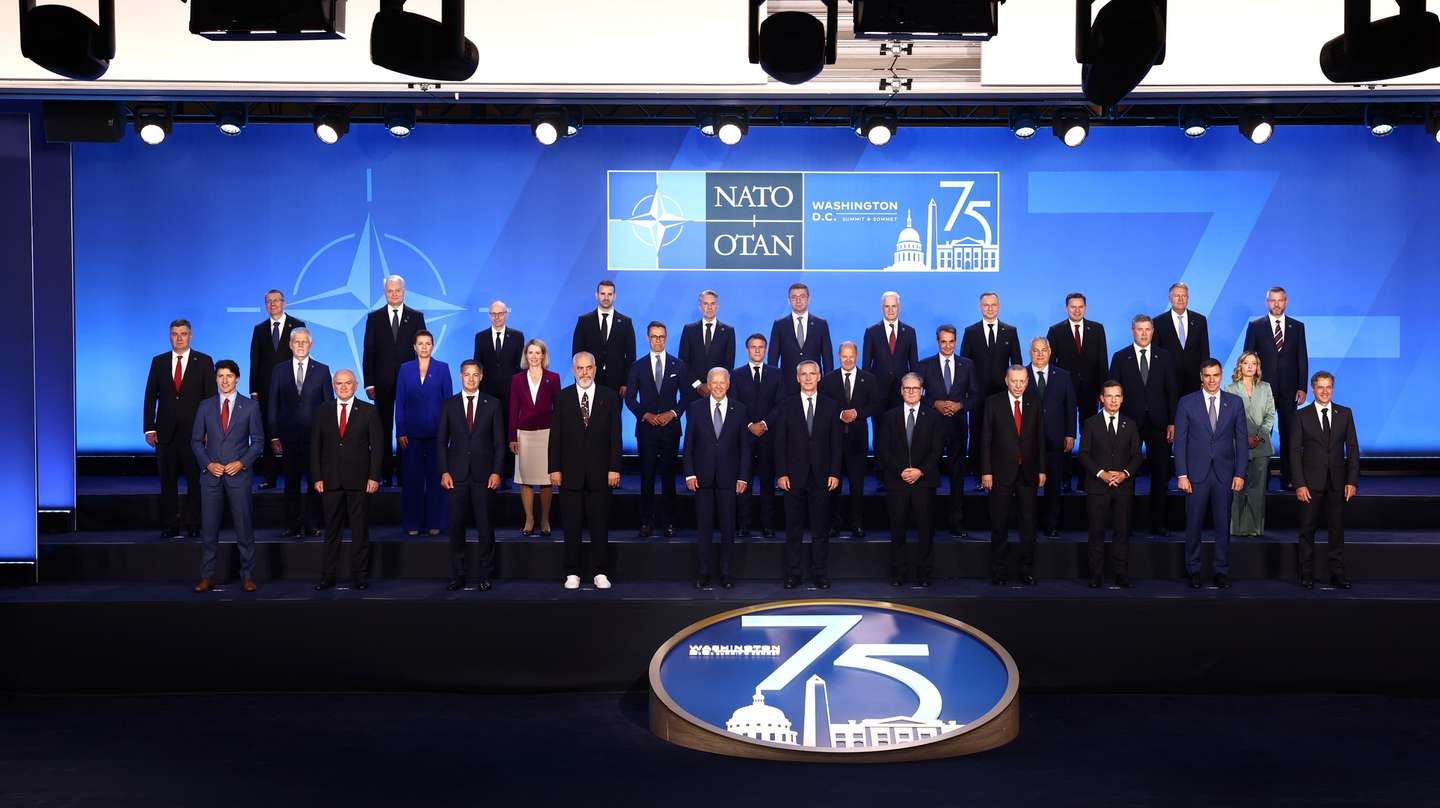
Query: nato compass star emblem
[
  {"x": 657, "y": 220},
  {"x": 361, "y": 288}
]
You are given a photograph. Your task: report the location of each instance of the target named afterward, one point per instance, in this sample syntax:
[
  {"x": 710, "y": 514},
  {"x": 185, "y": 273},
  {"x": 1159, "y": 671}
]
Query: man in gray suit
[{"x": 227, "y": 439}]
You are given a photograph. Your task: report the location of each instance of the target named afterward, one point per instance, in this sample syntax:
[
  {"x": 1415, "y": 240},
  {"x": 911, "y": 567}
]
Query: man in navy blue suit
[
  {"x": 800, "y": 337},
  {"x": 470, "y": 450},
  {"x": 1210, "y": 457},
  {"x": 1056, "y": 391},
  {"x": 227, "y": 438},
  {"x": 297, "y": 387},
  {"x": 890, "y": 350},
  {"x": 1147, "y": 375},
  {"x": 717, "y": 469},
  {"x": 951, "y": 389},
  {"x": 807, "y": 468},
  {"x": 656, "y": 393},
  {"x": 909, "y": 452},
  {"x": 707, "y": 343},
  {"x": 1284, "y": 364},
  {"x": 757, "y": 386},
  {"x": 859, "y": 397}
]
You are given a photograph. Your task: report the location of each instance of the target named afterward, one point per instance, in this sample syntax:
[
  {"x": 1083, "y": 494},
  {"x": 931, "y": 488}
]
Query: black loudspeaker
[
  {"x": 64, "y": 41},
  {"x": 84, "y": 121}
]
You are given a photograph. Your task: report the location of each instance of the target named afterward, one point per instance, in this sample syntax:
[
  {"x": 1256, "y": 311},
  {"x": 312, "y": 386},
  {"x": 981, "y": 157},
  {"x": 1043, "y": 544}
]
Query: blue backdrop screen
[{"x": 201, "y": 226}]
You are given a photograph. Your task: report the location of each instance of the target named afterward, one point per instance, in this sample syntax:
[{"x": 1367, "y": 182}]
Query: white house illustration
[{"x": 967, "y": 254}]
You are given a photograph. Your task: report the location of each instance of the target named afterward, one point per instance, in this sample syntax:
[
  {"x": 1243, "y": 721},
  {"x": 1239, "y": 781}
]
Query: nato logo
[{"x": 837, "y": 680}]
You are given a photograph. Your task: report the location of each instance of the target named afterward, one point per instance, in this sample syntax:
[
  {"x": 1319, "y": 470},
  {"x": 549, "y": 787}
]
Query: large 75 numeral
[{"x": 970, "y": 207}]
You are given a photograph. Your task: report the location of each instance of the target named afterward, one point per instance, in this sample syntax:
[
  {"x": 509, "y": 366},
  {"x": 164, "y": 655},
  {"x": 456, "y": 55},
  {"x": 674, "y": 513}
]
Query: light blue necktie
[
  {"x": 719, "y": 420},
  {"x": 658, "y": 372},
  {"x": 1182, "y": 331},
  {"x": 1214, "y": 414},
  {"x": 809, "y": 414},
  {"x": 946, "y": 362}
]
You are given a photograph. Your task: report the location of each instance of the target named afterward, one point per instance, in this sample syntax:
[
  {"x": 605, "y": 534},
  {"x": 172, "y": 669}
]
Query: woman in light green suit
[{"x": 1247, "y": 509}]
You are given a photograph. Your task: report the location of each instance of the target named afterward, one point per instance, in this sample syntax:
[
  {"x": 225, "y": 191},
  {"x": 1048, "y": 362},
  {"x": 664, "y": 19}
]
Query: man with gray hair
[
  {"x": 717, "y": 469},
  {"x": 807, "y": 469},
  {"x": 389, "y": 343},
  {"x": 889, "y": 351},
  {"x": 269, "y": 346},
  {"x": 860, "y": 398},
  {"x": 500, "y": 350},
  {"x": 296, "y": 389},
  {"x": 707, "y": 343},
  {"x": 1185, "y": 335}
]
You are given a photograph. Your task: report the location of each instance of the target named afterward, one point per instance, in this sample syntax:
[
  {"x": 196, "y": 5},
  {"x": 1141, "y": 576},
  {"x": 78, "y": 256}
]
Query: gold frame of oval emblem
[{"x": 997, "y": 727}]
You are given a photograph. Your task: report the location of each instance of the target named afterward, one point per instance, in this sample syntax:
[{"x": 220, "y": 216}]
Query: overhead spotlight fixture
[
  {"x": 153, "y": 123},
  {"x": 1257, "y": 127},
  {"x": 876, "y": 126},
  {"x": 331, "y": 124},
  {"x": 1022, "y": 123},
  {"x": 1388, "y": 48},
  {"x": 399, "y": 119},
  {"x": 274, "y": 20},
  {"x": 1432, "y": 122},
  {"x": 793, "y": 46},
  {"x": 550, "y": 124},
  {"x": 65, "y": 41},
  {"x": 231, "y": 118},
  {"x": 728, "y": 125},
  {"x": 1072, "y": 126},
  {"x": 1118, "y": 49},
  {"x": 1380, "y": 121},
  {"x": 1193, "y": 122},
  {"x": 926, "y": 19},
  {"x": 419, "y": 46}
]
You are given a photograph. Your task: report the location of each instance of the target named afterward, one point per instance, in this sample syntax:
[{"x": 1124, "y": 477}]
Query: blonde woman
[
  {"x": 532, "y": 396},
  {"x": 1247, "y": 510}
]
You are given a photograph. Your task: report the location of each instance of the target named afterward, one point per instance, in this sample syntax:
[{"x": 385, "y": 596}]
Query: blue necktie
[{"x": 719, "y": 421}]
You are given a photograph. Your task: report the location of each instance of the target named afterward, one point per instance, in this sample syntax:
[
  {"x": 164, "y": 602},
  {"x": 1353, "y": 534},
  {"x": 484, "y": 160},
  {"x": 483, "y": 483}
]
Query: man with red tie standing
[
  {"x": 227, "y": 439},
  {"x": 179, "y": 380},
  {"x": 1012, "y": 466},
  {"x": 347, "y": 449}
]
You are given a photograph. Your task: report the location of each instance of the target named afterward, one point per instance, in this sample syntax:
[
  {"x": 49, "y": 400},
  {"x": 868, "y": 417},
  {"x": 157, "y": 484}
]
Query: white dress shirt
[
  {"x": 349, "y": 412},
  {"x": 1277, "y": 322}
]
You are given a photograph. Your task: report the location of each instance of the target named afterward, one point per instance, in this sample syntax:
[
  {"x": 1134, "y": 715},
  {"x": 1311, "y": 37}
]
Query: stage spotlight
[
  {"x": 1072, "y": 126},
  {"x": 331, "y": 124},
  {"x": 1381, "y": 123},
  {"x": 399, "y": 119},
  {"x": 1193, "y": 122},
  {"x": 1432, "y": 123},
  {"x": 1126, "y": 39},
  {"x": 64, "y": 41},
  {"x": 1257, "y": 127},
  {"x": 152, "y": 124},
  {"x": 281, "y": 20},
  {"x": 550, "y": 124},
  {"x": 230, "y": 118},
  {"x": 1022, "y": 123},
  {"x": 926, "y": 19},
  {"x": 727, "y": 125},
  {"x": 793, "y": 46},
  {"x": 419, "y": 46},
  {"x": 876, "y": 126},
  {"x": 1388, "y": 48}
]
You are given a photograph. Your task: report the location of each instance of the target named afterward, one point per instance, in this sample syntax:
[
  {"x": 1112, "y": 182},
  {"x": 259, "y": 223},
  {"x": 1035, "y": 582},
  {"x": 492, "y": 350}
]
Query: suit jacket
[
  {"x": 788, "y": 354},
  {"x": 1188, "y": 358},
  {"x": 641, "y": 395},
  {"x": 1149, "y": 405},
  {"x": 1006, "y": 455},
  {"x": 417, "y": 406},
  {"x": 290, "y": 412},
  {"x": 496, "y": 369},
  {"x": 875, "y": 356},
  {"x": 583, "y": 455},
  {"x": 866, "y": 398},
  {"x": 244, "y": 441},
  {"x": 1059, "y": 403},
  {"x": 759, "y": 401},
  {"x": 964, "y": 383},
  {"x": 471, "y": 455},
  {"x": 922, "y": 452},
  {"x": 699, "y": 360},
  {"x": 527, "y": 413},
  {"x": 1321, "y": 463},
  {"x": 1201, "y": 453},
  {"x": 613, "y": 357},
  {"x": 384, "y": 354},
  {"x": 717, "y": 461},
  {"x": 170, "y": 415},
  {"x": 1101, "y": 452},
  {"x": 1287, "y": 371},
  {"x": 264, "y": 356},
  {"x": 805, "y": 455},
  {"x": 1088, "y": 368},
  {"x": 991, "y": 363},
  {"x": 348, "y": 463}
]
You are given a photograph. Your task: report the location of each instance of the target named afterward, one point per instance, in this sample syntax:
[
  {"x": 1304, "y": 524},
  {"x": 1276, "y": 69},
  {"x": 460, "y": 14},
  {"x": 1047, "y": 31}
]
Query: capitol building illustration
[
  {"x": 966, "y": 254},
  {"x": 762, "y": 722}
]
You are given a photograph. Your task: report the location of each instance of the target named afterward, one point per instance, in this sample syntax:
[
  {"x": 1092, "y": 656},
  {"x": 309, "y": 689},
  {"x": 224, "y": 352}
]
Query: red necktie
[
  {"x": 225, "y": 415},
  {"x": 179, "y": 374},
  {"x": 892, "y": 339},
  {"x": 342, "y": 419},
  {"x": 1078, "y": 350},
  {"x": 1017, "y": 416},
  {"x": 470, "y": 413}
]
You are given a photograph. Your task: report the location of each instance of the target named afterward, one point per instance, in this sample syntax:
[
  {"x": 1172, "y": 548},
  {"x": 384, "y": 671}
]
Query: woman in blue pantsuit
[{"x": 423, "y": 385}]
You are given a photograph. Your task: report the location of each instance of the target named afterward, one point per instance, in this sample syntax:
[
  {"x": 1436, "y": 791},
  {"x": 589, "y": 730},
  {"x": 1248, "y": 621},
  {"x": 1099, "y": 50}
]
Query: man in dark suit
[
  {"x": 656, "y": 392},
  {"x": 757, "y": 386},
  {"x": 585, "y": 463},
  {"x": 717, "y": 469},
  {"x": 1325, "y": 459},
  {"x": 1184, "y": 335},
  {"x": 909, "y": 452},
  {"x": 1109, "y": 460},
  {"x": 799, "y": 337},
  {"x": 389, "y": 343},
  {"x": 179, "y": 380},
  {"x": 609, "y": 337},
  {"x": 1012, "y": 467},
  {"x": 1148, "y": 375},
  {"x": 226, "y": 439},
  {"x": 860, "y": 397},
  {"x": 807, "y": 468},
  {"x": 500, "y": 350},
  {"x": 1284, "y": 363},
  {"x": 707, "y": 343},
  {"x": 347, "y": 452},
  {"x": 889, "y": 350},
  {"x": 269, "y": 346},
  {"x": 1056, "y": 392},
  {"x": 297, "y": 389},
  {"x": 952, "y": 390},
  {"x": 992, "y": 346},
  {"x": 1211, "y": 452},
  {"x": 470, "y": 443},
  {"x": 1078, "y": 345}
]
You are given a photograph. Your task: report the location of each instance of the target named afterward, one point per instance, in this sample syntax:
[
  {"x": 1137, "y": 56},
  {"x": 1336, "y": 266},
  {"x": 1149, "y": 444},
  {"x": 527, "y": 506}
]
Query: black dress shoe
[
  {"x": 702, "y": 582},
  {"x": 362, "y": 585},
  {"x": 958, "y": 533},
  {"x": 1307, "y": 583},
  {"x": 455, "y": 583},
  {"x": 325, "y": 583},
  {"x": 1052, "y": 533},
  {"x": 1027, "y": 579},
  {"x": 544, "y": 533},
  {"x": 170, "y": 533},
  {"x": 267, "y": 485},
  {"x": 726, "y": 582},
  {"x": 669, "y": 531},
  {"x": 193, "y": 532},
  {"x": 923, "y": 582},
  {"x": 645, "y": 531},
  {"x": 1195, "y": 581},
  {"x": 997, "y": 580},
  {"x": 834, "y": 532},
  {"x": 1096, "y": 582},
  {"x": 742, "y": 533},
  {"x": 768, "y": 533},
  {"x": 483, "y": 585},
  {"x": 791, "y": 582},
  {"x": 314, "y": 532},
  {"x": 1123, "y": 581},
  {"x": 1222, "y": 580},
  {"x": 859, "y": 533},
  {"x": 1339, "y": 582},
  {"x": 527, "y": 532},
  {"x": 1160, "y": 531},
  {"x": 290, "y": 533},
  {"x": 896, "y": 580},
  {"x": 822, "y": 582}
]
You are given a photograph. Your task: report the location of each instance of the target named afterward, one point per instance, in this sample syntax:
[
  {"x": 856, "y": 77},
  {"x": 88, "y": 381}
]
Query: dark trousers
[
  {"x": 343, "y": 505},
  {"x": 214, "y": 491},
  {"x": 977, "y": 423},
  {"x": 1212, "y": 496},
  {"x": 1157, "y": 460},
  {"x": 903, "y": 501},
  {"x": 658, "y": 447},
  {"x": 301, "y": 502},
  {"x": 849, "y": 505},
  {"x": 385, "y": 408},
  {"x": 1331, "y": 502},
  {"x": 579, "y": 508},
  {"x": 714, "y": 507},
  {"x": 1089, "y": 404},
  {"x": 757, "y": 504},
  {"x": 175, "y": 459},
  {"x": 1019, "y": 496},
  {"x": 1113, "y": 506},
  {"x": 1054, "y": 478},
  {"x": 471, "y": 499},
  {"x": 953, "y": 467},
  {"x": 422, "y": 500},
  {"x": 813, "y": 501},
  {"x": 1285, "y": 412}
]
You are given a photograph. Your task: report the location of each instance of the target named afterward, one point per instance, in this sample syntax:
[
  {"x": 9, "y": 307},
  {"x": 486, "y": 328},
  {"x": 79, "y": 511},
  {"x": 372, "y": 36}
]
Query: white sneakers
[
  {"x": 572, "y": 581},
  {"x": 601, "y": 582}
]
